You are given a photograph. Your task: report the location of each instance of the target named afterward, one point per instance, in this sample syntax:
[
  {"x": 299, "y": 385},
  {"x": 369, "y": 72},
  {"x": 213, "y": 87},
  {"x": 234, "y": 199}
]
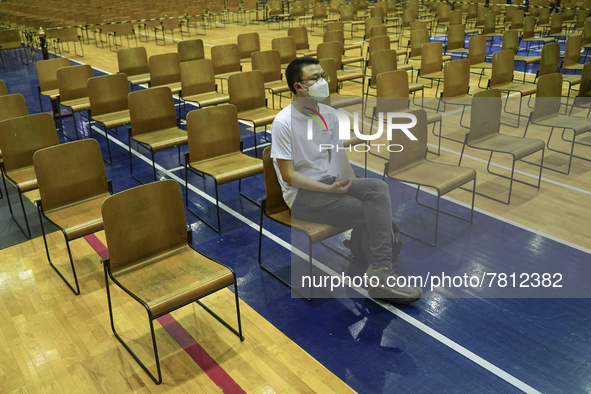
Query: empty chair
[
  {"x": 152, "y": 260},
  {"x": 108, "y": 103},
  {"x": 191, "y": 50},
  {"x": 456, "y": 85},
  {"x": 20, "y": 138},
  {"x": 572, "y": 54},
  {"x": 411, "y": 166},
  {"x": 11, "y": 106},
  {"x": 269, "y": 63},
  {"x": 546, "y": 114},
  {"x": 383, "y": 61},
  {"x": 300, "y": 35},
  {"x": 153, "y": 123},
  {"x": 73, "y": 185},
  {"x": 583, "y": 98},
  {"x": 226, "y": 61},
  {"x": 511, "y": 41},
  {"x": 431, "y": 63},
  {"x": 198, "y": 84},
  {"x": 214, "y": 150},
  {"x": 165, "y": 71},
  {"x": 286, "y": 47},
  {"x": 247, "y": 94},
  {"x": 133, "y": 62},
  {"x": 456, "y": 40},
  {"x": 60, "y": 37},
  {"x": 334, "y": 50},
  {"x": 529, "y": 33},
  {"x": 47, "y": 74},
  {"x": 485, "y": 124},
  {"x": 72, "y": 86},
  {"x": 477, "y": 55},
  {"x": 248, "y": 43}
]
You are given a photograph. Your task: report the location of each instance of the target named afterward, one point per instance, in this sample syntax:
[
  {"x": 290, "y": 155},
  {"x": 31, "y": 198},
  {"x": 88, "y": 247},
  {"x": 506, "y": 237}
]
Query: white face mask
[{"x": 319, "y": 91}]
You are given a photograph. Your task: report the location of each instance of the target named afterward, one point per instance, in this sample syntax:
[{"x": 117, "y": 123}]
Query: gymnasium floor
[{"x": 454, "y": 340}]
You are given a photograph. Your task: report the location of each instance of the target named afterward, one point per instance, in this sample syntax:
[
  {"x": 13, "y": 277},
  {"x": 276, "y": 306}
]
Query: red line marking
[
  {"x": 201, "y": 357},
  {"x": 215, "y": 372}
]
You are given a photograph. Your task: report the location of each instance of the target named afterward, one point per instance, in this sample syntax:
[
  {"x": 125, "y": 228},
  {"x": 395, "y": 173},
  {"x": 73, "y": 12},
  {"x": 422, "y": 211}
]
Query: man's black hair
[{"x": 293, "y": 73}]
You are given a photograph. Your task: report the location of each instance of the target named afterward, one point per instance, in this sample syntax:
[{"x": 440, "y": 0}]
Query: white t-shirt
[{"x": 290, "y": 142}]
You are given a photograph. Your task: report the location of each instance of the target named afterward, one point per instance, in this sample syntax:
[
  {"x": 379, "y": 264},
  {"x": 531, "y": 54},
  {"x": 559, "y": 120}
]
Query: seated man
[{"x": 315, "y": 196}]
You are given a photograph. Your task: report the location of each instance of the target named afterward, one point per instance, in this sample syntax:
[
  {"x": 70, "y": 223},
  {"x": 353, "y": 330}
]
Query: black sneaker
[{"x": 398, "y": 294}]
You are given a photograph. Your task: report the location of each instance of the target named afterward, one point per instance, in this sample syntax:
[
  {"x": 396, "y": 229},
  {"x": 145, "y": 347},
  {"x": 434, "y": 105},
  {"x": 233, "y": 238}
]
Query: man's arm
[{"x": 302, "y": 181}]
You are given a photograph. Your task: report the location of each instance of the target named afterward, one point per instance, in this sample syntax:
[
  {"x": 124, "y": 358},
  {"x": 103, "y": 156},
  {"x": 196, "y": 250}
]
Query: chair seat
[
  {"x": 316, "y": 231},
  {"x": 579, "y": 125},
  {"x": 435, "y": 75},
  {"x": 527, "y": 59},
  {"x": 192, "y": 274},
  {"x": 572, "y": 79},
  {"x": 545, "y": 40},
  {"x": 518, "y": 146},
  {"x": 52, "y": 94},
  {"x": 458, "y": 50},
  {"x": 355, "y": 59},
  {"x": 277, "y": 86},
  {"x": 25, "y": 178},
  {"x": 113, "y": 119},
  {"x": 525, "y": 89},
  {"x": 139, "y": 79},
  {"x": 444, "y": 177},
  {"x": 577, "y": 66},
  {"x": 414, "y": 87},
  {"x": 163, "y": 139},
  {"x": 80, "y": 104},
  {"x": 229, "y": 167},
  {"x": 209, "y": 98},
  {"x": 338, "y": 101},
  {"x": 472, "y": 31},
  {"x": 483, "y": 65},
  {"x": 175, "y": 87},
  {"x": 81, "y": 218},
  {"x": 259, "y": 116},
  {"x": 458, "y": 100},
  {"x": 309, "y": 53},
  {"x": 226, "y": 75},
  {"x": 343, "y": 75}
]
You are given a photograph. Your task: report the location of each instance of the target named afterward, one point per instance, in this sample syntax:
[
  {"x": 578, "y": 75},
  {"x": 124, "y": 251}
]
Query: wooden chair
[
  {"x": 477, "y": 55},
  {"x": 3, "y": 90},
  {"x": 133, "y": 62},
  {"x": 286, "y": 47},
  {"x": 300, "y": 36},
  {"x": 10, "y": 40},
  {"x": 269, "y": 63},
  {"x": 336, "y": 100},
  {"x": 485, "y": 124},
  {"x": 20, "y": 138},
  {"x": 226, "y": 61},
  {"x": 583, "y": 98},
  {"x": 198, "y": 84},
  {"x": 411, "y": 166},
  {"x": 273, "y": 207},
  {"x": 431, "y": 63},
  {"x": 191, "y": 50},
  {"x": 11, "y": 106},
  {"x": 572, "y": 54},
  {"x": 165, "y": 71},
  {"x": 502, "y": 79},
  {"x": 529, "y": 33},
  {"x": 72, "y": 86},
  {"x": 247, "y": 94},
  {"x": 47, "y": 74},
  {"x": 456, "y": 86},
  {"x": 334, "y": 50},
  {"x": 60, "y": 37},
  {"x": 511, "y": 41},
  {"x": 152, "y": 260},
  {"x": 73, "y": 185},
  {"x": 108, "y": 103},
  {"x": 546, "y": 114},
  {"x": 248, "y": 43},
  {"x": 153, "y": 123},
  {"x": 215, "y": 150},
  {"x": 456, "y": 40}
]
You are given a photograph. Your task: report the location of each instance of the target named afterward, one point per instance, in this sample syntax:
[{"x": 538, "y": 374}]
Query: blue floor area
[{"x": 542, "y": 342}]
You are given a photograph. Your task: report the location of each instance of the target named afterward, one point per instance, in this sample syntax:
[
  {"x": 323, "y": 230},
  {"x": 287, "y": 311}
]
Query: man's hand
[{"x": 340, "y": 185}]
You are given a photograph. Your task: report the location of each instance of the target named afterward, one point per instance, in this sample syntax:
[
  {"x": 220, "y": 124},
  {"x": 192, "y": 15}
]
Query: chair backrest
[
  {"x": 133, "y": 61},
  {"x": 502, "y": 67},
  {"x": 417, "y": 39},
  {"x": 456, "y": 17},
  {"x": 247, "y": 90},
  {"x": 151, "y": 110},
  {"x": 456, "y": 37},
  {"x": 300, "y": 35},
  {"x": 286, "y": 47},
  {"x": 431, "y": 58},
  {"x": 225, "y": 58},
  {"x": 377, "y": 43},
  {"x": 331, "y": 50},
  {"x": 274, "y": 202},
  {"x": 371, "y": 22},
  {"x": 247, "y": 44},
  {"x": 334, "y": 35},
  {"x": 335, "y": 26},
  {"x": 144, "y": 222},
  {"x": 548, "y": 96},
  {"x": 22, "y": 136},
  {"x": 586, "y": 33},
  {"x": 191, "y": 50},
  {"x": 269, "y": 63},
  {"x": 572, "y": 51},
  {"x": 382, "y": 61},
  {"x": 12, "y": 106},
  {"x": 529, "y": 25},
  {"x": 418, "y": 25},
  {"x": 72, "y": 81},
  {"x": 213, "y": 132},
  {"x": 510, "y": 40},
  {"x": 443, "y": 12},
  {"x": 3, "y": 90},
  {"x": 456, "y": 78},
  {"x": 477, "y": 49},
  {"x": 47, "y": 72},
  {"x": 165, "y": 69},
  {"x": 392, "y": 91},
  {"x": 490, "y": 21},
  {"x": 70, "y": 173},
  {"x": 584, "y": 95},
  {"x": 108, "y": 94},
  {"x": 346, "y": 12},
  {"x": 485, "y": 117},
  {"x": 481, "y": 16},
  {"x": 329, "y": 67},
  {"x": 319, "y": 12},
  {"x": 544, "y": 16},
  {"x": 197, "y": 77},
  {"x": 556, "y": 23},
  {"x": 550, "y": 59},
  {"x": 414, "y": 152},
  {"x": 377, "y": 12},
  {"x": 517, "y": 20}
]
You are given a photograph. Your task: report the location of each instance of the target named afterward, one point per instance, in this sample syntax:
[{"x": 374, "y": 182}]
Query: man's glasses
[{"x": 316, "y": 79}]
